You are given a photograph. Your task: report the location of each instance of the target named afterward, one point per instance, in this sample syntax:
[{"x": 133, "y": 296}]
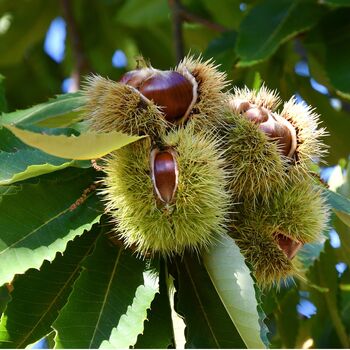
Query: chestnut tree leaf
[
  {"x": 158, "y": 330},
  {"x": 38, "y": 220},
  {"x": 101, "y": 295},
  {"x": 59, "y": 112},
  {"x": 232, "y": 280},
  {"x": 138, "y": 13},
  {"x": 208, "y": 325},
  {"x": 19, "y": 161},
  {"x": 287, "y": 318},
  {"x": 336, "y": 37},
  {"x": 270, "y": 23},
  {"x": 327, "y": 321},
  {"x": 43, "y": 293},
  {"x": 340, "y": 206},
  {"x": 27, "y": 163},
  {"x": 5, "y": 297},
  {"x": 131, "y": 324},
  {"x": 90, "y": 145}
]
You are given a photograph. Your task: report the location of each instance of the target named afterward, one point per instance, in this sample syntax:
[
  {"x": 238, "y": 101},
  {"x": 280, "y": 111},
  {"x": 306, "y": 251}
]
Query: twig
[
  {"x": 81, "y": 62},
  {"x": 191, "y": 17},
  {"x": 84, "y": 196},
  {"x": 175, "y": 7},
  {"x": 181, "y": 14}
]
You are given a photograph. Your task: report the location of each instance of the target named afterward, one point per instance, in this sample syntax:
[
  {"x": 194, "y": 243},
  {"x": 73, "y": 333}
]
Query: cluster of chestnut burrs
[{"x": 214, "y": 163}]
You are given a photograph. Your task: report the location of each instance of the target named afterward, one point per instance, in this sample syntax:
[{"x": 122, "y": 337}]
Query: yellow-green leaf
[
  {"x": 233, "y": 283},
  {"x": 91, "y": 145}
]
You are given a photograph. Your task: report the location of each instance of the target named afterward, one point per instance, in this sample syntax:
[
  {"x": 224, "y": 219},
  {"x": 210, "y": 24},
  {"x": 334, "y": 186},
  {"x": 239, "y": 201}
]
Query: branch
[
  {"x": 175, "y": 8},
  {"x": 181, "y": 14},
  {"x": 191, "y": 17},
  {"x": 81, "y": 64}
]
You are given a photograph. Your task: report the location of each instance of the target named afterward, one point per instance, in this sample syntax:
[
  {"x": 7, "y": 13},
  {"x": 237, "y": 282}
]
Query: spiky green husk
[
  {"x": 208, "y": 110},
  {"x": 299, "y": 212},
  {"x": 310, "y": 147},
  {"x": 261, "y": 98},
  {"x": 112, "y": 106},
  {"x": 257, "y": 167},
  {"x": 198, "y": 213}
]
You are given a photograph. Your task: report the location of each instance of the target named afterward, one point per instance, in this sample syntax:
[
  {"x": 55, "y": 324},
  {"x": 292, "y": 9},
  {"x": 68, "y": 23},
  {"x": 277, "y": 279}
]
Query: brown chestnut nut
[
  {"x": 170, "y": 90},
  {"x": 164, "y": 173},
  {"x": 282, "y": 131},
  {"x": 272, "y": 124},
  {"x": 289, "y": 246}
]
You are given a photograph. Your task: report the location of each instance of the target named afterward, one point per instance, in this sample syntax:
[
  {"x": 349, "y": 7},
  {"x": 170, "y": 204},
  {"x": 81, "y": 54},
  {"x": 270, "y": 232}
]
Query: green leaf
[
  {"x": 337, "y": 3},
  {"x": 130, "y": 325},
  {"x": 9, "y": 142},
  {"x": 337, "y": 56},
  {"x": 39, "y": 220},
  {"x": 19, "y": 161},
  {"x": 327, "y": 319},
  {"x": 101, "y": 295},
  {"x": 39, "y": 295},
  {"x": 8, "y": 190},
  {"x": 208, "y": 324},
  {"x": 158, "y": 328},
  {"x": 138, "y": 13},
  {"x": 270, "y": 23},
  {"x": 3, "y": 104},
  {"x": 343, "y": 252},
  {"x": 222, "y": 50},
  {"x": 225, "y": 12},
  {"x": 91, "y": 145},
  {"x": 235, "y": 287},
  {"x": 27, "y": 163},
  {"x": 341, "y": 222},
  {"x": 59, "y": 112},
  {"x": 340, "y": 205},
  {"x": 287, "y": 320},
  {"x": 329, "y": 53},
  {"x": 310, "y": 252},
  {"x": 5, "y": 297},
  {"x": 343, "y": 217}
]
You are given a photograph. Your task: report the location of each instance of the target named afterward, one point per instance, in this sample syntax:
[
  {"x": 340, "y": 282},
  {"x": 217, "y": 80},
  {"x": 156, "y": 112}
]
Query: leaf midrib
[
  {"x": 112, "y": 277},
  {"x": 201, "y": 305},
  {"x": 58, "y": 295},
  {"x": 42, "y": 225},
  {"x": 277, "y": 29}
]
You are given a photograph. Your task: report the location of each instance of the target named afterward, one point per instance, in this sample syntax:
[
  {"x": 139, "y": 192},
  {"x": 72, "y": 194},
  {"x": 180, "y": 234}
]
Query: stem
[
  {"x": 175, "y": 7},
  {"x": 181, "y": 14},
  {"x": 191, "y": 17},
  {"x": 81, "y": 63}
]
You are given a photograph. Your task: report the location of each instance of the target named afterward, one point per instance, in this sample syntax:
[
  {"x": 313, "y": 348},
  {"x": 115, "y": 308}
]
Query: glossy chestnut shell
[
  {"x": 164, "y": 173},
  {"x": 170, "y": 90},
  {"x": 272, "y": 124}
]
